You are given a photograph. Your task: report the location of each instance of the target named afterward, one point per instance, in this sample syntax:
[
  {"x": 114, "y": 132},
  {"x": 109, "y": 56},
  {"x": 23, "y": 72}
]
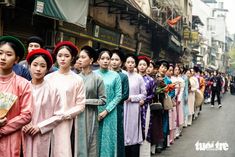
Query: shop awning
[
  {"x": 72, "y": 11},
  {"x": 197, "y": 20}
]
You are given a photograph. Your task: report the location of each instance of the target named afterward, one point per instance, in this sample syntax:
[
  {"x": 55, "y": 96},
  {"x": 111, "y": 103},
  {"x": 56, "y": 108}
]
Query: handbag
[
  {"x": 156, "y": 105},
  {"x": 198, "y": 98},
  {"x": 168, "y": 105}
]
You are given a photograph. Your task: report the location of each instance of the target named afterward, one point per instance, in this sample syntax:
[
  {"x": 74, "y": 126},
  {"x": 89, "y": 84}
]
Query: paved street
[{"x": 213, "y": 125}]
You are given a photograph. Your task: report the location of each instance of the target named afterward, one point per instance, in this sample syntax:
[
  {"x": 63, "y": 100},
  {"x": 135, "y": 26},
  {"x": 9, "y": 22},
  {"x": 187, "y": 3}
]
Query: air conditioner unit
[{"x": 8, "y": 3}]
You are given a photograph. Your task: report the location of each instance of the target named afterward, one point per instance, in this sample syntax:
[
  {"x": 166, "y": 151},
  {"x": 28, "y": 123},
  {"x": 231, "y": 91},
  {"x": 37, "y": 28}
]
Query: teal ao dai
[
  {"x": 108, "y": 126},
  {"x": 120, "y": 108}
]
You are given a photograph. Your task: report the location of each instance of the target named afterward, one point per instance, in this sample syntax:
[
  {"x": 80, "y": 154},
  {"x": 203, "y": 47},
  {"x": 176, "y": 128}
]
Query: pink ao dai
[
  {"x": 46, "y": 103},
  {"x": 71, "y": 89}
]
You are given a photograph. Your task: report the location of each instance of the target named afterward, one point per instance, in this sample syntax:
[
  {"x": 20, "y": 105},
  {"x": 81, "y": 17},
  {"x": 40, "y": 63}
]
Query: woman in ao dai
[
  {"x": 37, "y": 134},
  {"x": 15, "y": 87},
  {"x": 72, "y": 91},
  {"x": 132, "y": 114},
  {"x": 108, "y": 113},
  {"x": 88, "y": 125}
]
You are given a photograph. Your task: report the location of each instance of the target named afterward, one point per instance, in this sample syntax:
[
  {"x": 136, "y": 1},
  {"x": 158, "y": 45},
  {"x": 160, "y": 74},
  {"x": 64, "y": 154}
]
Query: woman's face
[
  {"x": 84, "y": 60},
  {"x": 142, "y": 66},
  {"x": 104, "y": 60},
  {"x": 64, "y": 58},
  {"x": 170, "y": 71},
  {"x": 188, "y": 73},
  {"x": 130, "y": 64},
  {"x": 7, "y": 57},
  {"x": 162, "y": 69},
  {"x": 115, "y": 61},
  {"x": 38, "y": 68},
  {"x": 150, "y": 69},
  {"x": 176, "y": 71}
]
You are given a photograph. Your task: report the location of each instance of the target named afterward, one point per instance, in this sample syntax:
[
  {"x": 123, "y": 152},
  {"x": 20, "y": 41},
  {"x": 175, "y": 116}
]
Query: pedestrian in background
[
  {"x": 33, "y": 43},
  {"x": 21, "y": 68},
  {"x": 216, "y": 88}
]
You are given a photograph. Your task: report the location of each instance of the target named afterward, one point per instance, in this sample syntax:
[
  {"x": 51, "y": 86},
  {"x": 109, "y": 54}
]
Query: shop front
[
  {"x": 105, "y": 38},
  {"x": 128, "y": 44}
]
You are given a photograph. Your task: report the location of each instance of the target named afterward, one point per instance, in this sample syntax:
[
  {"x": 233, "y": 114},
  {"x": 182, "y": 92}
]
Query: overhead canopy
[
  {"x": 197, "y": 20},
  {"x": 72, "y": 11}
]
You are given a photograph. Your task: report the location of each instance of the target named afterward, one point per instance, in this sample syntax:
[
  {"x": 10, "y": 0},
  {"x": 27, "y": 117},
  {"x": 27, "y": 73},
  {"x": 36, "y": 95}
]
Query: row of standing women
[
  {"x": 42, "y": 105},
  {"x": 105, "y": 112}
]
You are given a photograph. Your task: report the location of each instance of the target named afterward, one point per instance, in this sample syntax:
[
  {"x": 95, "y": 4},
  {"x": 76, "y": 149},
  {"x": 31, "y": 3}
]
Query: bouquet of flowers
[
  {"x": 166, "y": 89},
  {"x": 6, "y": 102}
]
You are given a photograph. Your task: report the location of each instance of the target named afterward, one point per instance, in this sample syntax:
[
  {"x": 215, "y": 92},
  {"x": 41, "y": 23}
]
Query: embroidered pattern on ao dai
[{"x": 108, "y": 125}]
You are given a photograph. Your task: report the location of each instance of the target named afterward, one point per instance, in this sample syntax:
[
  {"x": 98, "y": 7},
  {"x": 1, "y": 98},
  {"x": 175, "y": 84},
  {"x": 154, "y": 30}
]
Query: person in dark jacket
[
  {"x": 216, "y": 86},
  {"x": 33, "y": 43},
  {"x": 21, "y": 71},
  {"x": 22, "y": 68}
]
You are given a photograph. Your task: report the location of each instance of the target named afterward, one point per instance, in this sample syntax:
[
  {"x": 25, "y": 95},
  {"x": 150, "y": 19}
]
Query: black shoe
[{"x": 158, "y": 150}]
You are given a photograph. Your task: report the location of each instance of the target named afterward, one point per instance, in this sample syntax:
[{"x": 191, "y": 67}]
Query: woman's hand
[
  {"x": 102, "y": 115},
  {"x": 3, "y": 121},
  {"x": 34, "y": 130},
  {"x": 128, "y": 100},
  {"x": 30, "y": 129},
  {"x": 27, "y": 128},
  {"x": 141, "y": 102}
]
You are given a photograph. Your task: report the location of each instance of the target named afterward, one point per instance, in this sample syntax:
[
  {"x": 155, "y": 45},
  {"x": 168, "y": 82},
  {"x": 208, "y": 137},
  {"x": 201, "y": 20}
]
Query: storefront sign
[
  {"x": 186, "y": 33},
  {"x": 195, "y": 36},
  {"x": 106, "y": 35},
  {"x": 127, "y": 42}
]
